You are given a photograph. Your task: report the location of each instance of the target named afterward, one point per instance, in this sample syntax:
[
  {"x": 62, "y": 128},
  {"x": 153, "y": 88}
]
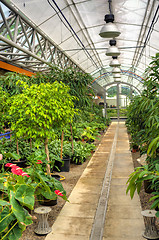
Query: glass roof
[{"x": 74, "y": 26}]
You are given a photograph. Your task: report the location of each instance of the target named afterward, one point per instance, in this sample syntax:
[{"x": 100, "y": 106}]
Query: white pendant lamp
[
  {"x": 109, "y": 30},
  {"x": 114, "y": 62},
  {"x": 112, "y": 50},
  {"x": 116, "y": 75},
  {"x": 116, "y": 70}
]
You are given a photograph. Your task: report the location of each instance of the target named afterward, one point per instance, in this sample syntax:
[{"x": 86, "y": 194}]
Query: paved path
[{"x": 91, "y": 213}]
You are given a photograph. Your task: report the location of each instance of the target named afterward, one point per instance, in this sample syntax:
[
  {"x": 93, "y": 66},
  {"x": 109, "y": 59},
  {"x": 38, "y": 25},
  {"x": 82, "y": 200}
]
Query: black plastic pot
[
  {"x": 21, "y": 163},
  {"x": 147, "y": 186},
  {"x": 56, "y": 176},
  {"x": 48, "y": 202},
  {"x": 63, "y": 166},
  {"x": 90, "y": 141}
]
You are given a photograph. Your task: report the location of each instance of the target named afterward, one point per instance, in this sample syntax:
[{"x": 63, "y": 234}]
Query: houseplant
[
  {"x": 39, "y": 110},
  {"x": 18, "y": 192}
]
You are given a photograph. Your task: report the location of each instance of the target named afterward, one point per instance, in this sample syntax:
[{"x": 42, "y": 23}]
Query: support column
[
  {"x": 131, "y": 91},
  {"x": 117, "y": 100},
  {"x": 105, "y": 104}
]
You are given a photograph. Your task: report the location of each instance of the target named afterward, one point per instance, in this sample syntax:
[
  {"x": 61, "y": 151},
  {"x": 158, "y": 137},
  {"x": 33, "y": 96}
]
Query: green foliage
[
  {"x": 13, "y": 215},
  {"x": 138, "y": 177},
  {"x": 40, "y": 108},
  {"x": 18, "y": 192},
  {"x": 9, "y": 80},
  {"x": 78, "y": 83},
  {"x": 143, "y": 125},
  {"x": 81, "y": 151},
  {"x": 4, "y": 107},
  {"x": 142, "y": 113}
]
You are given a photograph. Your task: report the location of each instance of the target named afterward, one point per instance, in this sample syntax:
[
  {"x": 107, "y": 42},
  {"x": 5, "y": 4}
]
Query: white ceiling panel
[{"x": 74, "y": 25}]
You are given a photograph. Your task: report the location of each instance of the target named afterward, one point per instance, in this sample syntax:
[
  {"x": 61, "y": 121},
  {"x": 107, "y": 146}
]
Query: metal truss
[
  {"x": 124, "y": 72},
  {"x": 120, "y": 82},
  {"x": 23, "y": 44}
]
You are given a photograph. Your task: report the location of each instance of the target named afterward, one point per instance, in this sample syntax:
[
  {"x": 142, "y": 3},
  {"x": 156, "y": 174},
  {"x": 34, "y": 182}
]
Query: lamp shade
[
  {"x": 114, "y": 63},
  {"x": 109, "y": 30},
  {"x": 116, "y": 70},
  {"x": 116, "y": 75},
  {"x": 113, "y": 51}
]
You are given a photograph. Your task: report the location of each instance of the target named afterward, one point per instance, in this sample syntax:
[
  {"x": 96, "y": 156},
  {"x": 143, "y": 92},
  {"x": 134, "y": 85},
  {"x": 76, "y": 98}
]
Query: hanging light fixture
[
  {"x": 109, "y": 30},
  {"x": 116, "y": 70},
  {"x": 116, "y": 75},
  {"x": 112, "y": 50},
  {"x": 114, "y": 62}
]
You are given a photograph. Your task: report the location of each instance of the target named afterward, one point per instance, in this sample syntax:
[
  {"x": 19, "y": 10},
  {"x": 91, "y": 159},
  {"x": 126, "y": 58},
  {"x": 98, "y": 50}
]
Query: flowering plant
[
  {"x": 18, "y": 192},
  {"x": 16, "y": 195}
]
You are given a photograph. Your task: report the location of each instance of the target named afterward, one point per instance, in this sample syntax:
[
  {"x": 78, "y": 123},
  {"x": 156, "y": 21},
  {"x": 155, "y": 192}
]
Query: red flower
[
  {"x": 17, "y": 170},
  {"x": 58, "y": 193},
  {"x": 39, "y": 162},
  {"x": 25, "y": 174},
  {"x": 10, "y": 165}
]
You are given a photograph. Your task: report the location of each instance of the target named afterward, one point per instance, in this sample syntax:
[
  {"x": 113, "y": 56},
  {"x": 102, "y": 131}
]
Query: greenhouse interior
[{"x": 79, "y": 122}]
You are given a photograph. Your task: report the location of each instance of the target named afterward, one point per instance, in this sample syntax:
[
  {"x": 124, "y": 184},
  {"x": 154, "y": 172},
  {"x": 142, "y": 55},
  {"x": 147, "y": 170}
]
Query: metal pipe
[
  {"x": 129, "y": 84},
  {"x": 73, "y": 31},
  {"x": 117, "y": 100},
  {"x": 148, "y": 35},
  {"x": 11, "y": 6},
  {"x": 11, "y": 43}
]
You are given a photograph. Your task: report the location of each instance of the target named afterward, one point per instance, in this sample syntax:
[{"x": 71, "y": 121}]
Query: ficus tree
[
  {"x": 78, "y": 82},
  {"x": 39, "y": 109}
]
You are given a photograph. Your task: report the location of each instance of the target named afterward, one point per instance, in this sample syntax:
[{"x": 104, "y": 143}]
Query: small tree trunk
[
  {"x": 47, "y": 156},
  {"x": 17, "y": 149},
  {"x": 62, "y": 143},
  {"x": 72, "y": 138}
]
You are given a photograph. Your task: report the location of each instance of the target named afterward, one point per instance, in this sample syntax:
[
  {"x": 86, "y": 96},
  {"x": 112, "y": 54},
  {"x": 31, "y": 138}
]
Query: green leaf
[
  {"x": 6, "y": 218},
  {"x": 139, "y": 187},
  {"x": 4, "y": 203},
  {"x": 155, "y": 204},
  {"x": 15, "y": 233},
  {"x": 20, "y": 213},
  {"x": 12, "y": 155},
  {"x": 157, "y": 214},
  {"x": 48, "y": 195},
  {"x": 132, "y": 190},
  {"x": 142, "y": 174},
  {"x": 25, "y": 195},
  {"x": 157, "y": 167},
  {"x": 42, "y": 179}
]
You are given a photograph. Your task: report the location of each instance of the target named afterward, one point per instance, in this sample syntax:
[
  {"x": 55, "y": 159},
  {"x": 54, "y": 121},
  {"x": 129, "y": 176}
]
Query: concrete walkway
[{"x": 99, "y": 209}]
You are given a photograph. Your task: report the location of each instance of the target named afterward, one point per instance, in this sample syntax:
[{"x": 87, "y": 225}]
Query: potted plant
[
  {"x": 39, "y": 109},
  {"x": 18, "y": 192},
  {"x": 88, "y": 135},
  {"x": 16, "y": 195}
]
